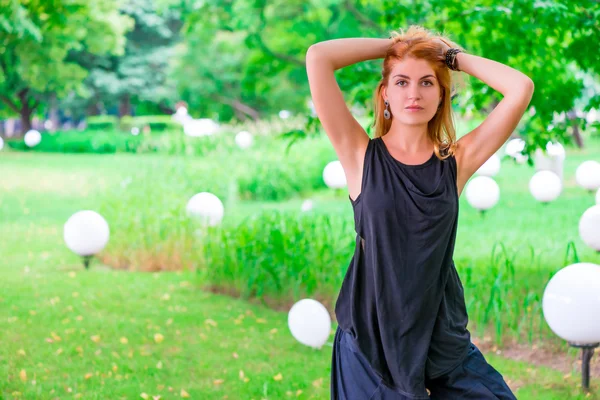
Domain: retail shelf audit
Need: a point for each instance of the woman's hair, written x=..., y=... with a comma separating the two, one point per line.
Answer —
x=419, y=43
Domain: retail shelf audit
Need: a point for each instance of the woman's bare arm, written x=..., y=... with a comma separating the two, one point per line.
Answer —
x=481, y=143
x=348, y=138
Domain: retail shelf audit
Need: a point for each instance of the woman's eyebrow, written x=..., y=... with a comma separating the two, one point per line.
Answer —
x=407, y=77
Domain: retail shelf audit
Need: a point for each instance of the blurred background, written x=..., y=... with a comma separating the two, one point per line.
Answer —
x=213, y=202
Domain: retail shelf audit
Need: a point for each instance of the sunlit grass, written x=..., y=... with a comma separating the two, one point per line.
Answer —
x=107, y=333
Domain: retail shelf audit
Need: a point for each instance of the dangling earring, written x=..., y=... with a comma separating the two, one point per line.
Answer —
x=386, y=112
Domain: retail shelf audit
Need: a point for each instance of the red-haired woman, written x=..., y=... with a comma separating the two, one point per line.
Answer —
x=401, y=311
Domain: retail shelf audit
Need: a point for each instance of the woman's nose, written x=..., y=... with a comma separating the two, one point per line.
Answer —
x=414, y=93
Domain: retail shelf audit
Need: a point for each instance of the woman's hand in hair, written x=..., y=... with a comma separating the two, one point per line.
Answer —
x=443, y=44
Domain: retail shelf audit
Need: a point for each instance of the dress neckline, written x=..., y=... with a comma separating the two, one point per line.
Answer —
x=426, y=163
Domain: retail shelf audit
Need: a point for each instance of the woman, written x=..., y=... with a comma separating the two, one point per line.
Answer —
x=402, y=318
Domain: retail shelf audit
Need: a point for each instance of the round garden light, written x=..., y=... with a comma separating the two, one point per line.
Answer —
x=200, y=127
x=32, y=138
x=545, y=186
x=589, y=227
x=334, y=175
x=307, y=205
x=1, y=143
x=551, y=160
x=491, y=167
x=86, y=233
x=482, y=193
x=181, y=116
x=207, y=207
x=243, y=139
x=587, y=175
x=514, y=147
x=310, y=323
x=571, y=307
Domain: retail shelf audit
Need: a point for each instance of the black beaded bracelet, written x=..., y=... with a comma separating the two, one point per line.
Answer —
x=451, y=61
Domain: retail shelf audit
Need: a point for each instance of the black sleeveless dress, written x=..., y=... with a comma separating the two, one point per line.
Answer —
x=401, y=301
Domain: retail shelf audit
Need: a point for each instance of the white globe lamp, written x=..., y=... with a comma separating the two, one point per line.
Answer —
x=207, y=207
x=514, y=147
x=589, y=227
x=86, y=233
x=521, y=158
x=545, y=186
x=307, y=205
x=200, y=127
x=309, y=323
x=243, y=139
x=32, y=138
x=181, y=116
x=571, y=307
x=482, y=193
x=1, y=143
x=491, y=167
x=551, y=160
x=587, y=175
x=334, y=175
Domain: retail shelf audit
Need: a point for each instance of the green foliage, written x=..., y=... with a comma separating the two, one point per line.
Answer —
x=36, y=39
x=297, y=255
x=276, y=174
x=140, y=74
x=245, y=60
x=256, y=58
x=99, y=142
x=157, y=123
x=102, y=122
x=266, y=171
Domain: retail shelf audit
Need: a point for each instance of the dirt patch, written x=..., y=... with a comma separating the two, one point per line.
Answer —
x=541, y=356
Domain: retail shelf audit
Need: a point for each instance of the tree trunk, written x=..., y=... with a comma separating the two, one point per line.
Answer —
x=165, y=109
x=26, y=110
x=25, y=120
x=54, y=113
x=125, y=105
x=572, y=116
x=93, y=108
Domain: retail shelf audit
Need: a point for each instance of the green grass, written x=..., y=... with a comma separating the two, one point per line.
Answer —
x=64, y=326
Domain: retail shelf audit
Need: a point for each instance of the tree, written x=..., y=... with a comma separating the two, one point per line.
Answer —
x=140, y=74
x=254, y=50
x=35, y=39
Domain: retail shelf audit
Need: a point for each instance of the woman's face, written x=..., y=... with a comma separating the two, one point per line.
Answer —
x=413, y=82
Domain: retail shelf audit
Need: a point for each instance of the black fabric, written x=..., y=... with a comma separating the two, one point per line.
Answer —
x=401, y=299
x=352, y=378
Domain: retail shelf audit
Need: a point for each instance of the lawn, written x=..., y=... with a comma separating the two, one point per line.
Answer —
x=106, y=333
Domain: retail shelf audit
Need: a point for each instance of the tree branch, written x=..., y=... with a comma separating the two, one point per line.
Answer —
x=23, y=97
x=9, y=103
x=281, y=56
x=35, y=104
x=239, y=106
x=263, y=46
x=361, y=17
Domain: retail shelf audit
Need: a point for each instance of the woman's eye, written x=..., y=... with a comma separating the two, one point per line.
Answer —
x=429, y=83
